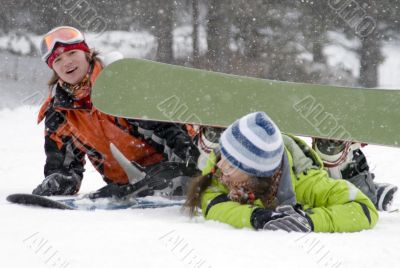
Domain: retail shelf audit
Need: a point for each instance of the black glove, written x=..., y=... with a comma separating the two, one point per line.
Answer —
x=165, y=178
x=186, y=151
x=113, y=190
x=169, y=178
x=285, y=218
x=59, y=184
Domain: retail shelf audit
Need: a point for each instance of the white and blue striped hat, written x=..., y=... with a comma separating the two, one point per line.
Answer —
x=253, y=144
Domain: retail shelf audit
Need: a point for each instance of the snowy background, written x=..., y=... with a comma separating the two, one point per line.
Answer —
x=33, y=237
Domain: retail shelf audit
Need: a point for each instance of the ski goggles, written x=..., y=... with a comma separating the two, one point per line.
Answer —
x=64, y=34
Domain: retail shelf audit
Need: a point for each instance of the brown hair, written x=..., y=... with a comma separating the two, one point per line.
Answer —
x=197, y=186
x=265, y=190
x=91, y=57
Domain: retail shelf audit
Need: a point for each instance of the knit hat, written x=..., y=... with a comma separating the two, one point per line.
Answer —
x=253, y=144
x=61, y=48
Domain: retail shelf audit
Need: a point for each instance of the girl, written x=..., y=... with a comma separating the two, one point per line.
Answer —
x=261, y=179
x=74, y=128
x=342, y=160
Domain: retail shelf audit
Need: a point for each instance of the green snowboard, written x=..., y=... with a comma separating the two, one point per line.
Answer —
x=142, y=89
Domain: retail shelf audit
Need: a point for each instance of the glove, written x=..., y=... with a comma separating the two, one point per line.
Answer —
x=165, y=178
x=169, y=178
x=186, y=151
x=285, y=218
x=59, y=184
x=113, y=190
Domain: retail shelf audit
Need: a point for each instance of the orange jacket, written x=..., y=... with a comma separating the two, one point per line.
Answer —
x=76, y=128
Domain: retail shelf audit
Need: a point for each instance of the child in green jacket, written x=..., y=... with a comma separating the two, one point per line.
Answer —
x=261, y=179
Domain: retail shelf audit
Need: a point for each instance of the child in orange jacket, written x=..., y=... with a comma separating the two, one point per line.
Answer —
x=74, y=128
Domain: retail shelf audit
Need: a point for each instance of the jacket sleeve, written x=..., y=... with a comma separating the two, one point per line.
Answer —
x=334, y=205
x=168, y=138
x=62, y=156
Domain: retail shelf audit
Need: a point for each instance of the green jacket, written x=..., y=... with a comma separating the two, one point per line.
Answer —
x=332, y=205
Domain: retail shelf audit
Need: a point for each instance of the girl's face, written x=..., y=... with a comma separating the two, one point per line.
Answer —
x=231, y=174
x=240, y=184
x=71, y=66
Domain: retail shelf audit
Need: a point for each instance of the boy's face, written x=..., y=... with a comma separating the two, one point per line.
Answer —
x=71, y=66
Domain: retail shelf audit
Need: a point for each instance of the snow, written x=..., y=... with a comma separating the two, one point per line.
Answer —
x=34, y=237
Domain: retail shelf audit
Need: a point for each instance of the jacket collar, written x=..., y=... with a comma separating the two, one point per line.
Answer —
x=65, y=100
x=285, y=194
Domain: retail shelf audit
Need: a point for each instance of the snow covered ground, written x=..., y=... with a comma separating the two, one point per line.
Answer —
x=34, y=237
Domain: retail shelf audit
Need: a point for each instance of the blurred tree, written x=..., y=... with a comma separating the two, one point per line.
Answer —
x=195, y=33
x=370, y=50
x=371, y=22
x=5, y=16
x=269, y=40
x=218, y=35
x=163, y=31
x=314, y=26
x=380, y=23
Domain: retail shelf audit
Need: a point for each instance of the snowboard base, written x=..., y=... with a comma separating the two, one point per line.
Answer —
x=85, y=203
